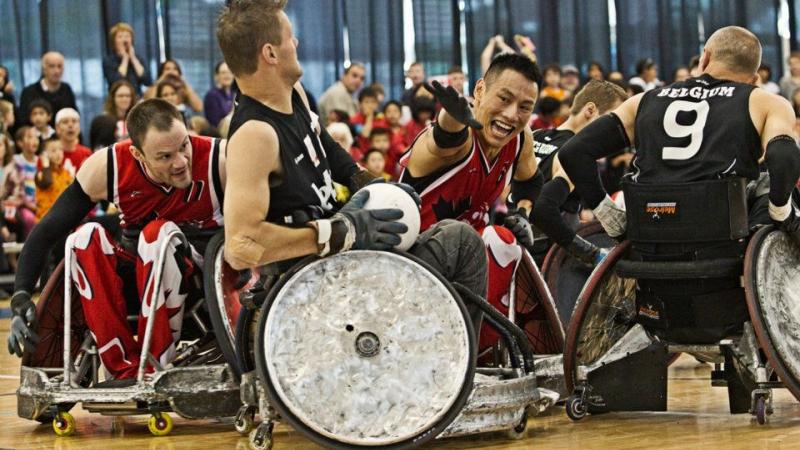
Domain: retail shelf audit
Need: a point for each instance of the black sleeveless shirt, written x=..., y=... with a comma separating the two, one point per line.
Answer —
x=307, y=184
x=698, y=129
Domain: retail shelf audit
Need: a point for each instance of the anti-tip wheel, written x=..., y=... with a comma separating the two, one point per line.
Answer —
x=64, y=424
x=244, y=420
x=159, y=424
x=261, y=437
x=576, y=408
x=518, y=432
x=761, y=410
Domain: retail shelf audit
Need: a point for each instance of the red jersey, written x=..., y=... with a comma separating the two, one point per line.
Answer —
x=141, y=200
x=466, y=190
x=73, y=159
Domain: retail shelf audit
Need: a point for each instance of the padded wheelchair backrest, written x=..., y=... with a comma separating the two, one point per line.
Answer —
x=701, y=211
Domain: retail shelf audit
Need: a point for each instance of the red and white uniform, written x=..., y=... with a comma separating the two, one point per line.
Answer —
x=157, y=210
x=140, y=199
x=466, y=191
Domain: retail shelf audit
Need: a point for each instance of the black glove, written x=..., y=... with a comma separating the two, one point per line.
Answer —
x=374, y=229
x=24, y=312
x=520, y=225
x=586, y=252
x=452, y=102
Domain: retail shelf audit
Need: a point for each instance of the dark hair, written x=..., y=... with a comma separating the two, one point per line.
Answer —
x=171, y=81
x=341, y=116
x=102, y=131
x=598, y=65
x=644, y=64
x=551, y=68
x=40, y=103
x=164, y=64
x=355, y=64
x=218, y=65
x=548, y=106
x=694, y=61
x=367, y=92
x=369, y=152
x=512, y=61
x=635, y=88
x=392, y=102
x=244, y=27
x=152, y=113
x=767, y=68
x=455, y=69
x=379, y=132
x=420, y=104
x=20, y=133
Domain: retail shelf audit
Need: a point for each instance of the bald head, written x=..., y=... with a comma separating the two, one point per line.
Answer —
x=735, y=48
x=52, y=67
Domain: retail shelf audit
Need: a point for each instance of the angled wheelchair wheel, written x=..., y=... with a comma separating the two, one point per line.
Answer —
x=772, y=287
x=536, y=311
x=366, y=349
x=222, y=299
x=565, y=275
x=49, y=324
x=604, y=312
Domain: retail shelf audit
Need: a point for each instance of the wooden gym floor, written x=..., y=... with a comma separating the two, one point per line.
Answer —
x=698, y=419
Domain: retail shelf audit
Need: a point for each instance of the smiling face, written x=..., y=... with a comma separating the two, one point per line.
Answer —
x=504, y=106
x=167, y=155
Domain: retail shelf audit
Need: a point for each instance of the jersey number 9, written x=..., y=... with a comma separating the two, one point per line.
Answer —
x=676, y=130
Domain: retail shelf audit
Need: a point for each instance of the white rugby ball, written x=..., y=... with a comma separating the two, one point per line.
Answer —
x=385, y=195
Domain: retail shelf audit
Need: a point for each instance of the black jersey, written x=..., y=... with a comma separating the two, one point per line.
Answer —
x=698, y=129
x=546, y=144
x=307, y=183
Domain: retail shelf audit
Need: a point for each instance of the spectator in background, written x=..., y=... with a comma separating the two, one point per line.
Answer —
x=551, y=86
x=68, y=129
x=495, y=44
x=340, y=132
x=7, y=116
x=423, y=110
x=367, y=118
x=340, y=95
x=172, y=89
x=549, y=110
x=616, y=77
x=789, y=83
x=646, y=75
x=765, y=79
x=680, y=74
x=379, y=90
x=456, y=78
x=23, y=193
x=122, y=63
x=392, y=112
x=218, y=102
x=6, y=86
x=52, y=178
x=39, y=115
x=199, y=126
x=171, y=69
x=109, y=127
x=49, y=87
x=380, y=139
x=570, y=79
x=596, y=71
x=416, y=75
x=337, y=115
x=373, y=161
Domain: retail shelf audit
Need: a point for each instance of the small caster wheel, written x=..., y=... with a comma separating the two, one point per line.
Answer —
x=159, y=424
x=261, y=437
x=518, y=432
x=760, y=410
x=244, y=419
x=576, y=408
x=64, y=424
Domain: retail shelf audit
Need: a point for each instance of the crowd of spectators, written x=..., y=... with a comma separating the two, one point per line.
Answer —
x=42, y=144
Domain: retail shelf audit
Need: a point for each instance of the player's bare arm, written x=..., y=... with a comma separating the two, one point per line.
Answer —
x=249, y=239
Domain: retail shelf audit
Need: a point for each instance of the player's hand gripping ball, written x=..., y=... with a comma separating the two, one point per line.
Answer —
x=391, y=195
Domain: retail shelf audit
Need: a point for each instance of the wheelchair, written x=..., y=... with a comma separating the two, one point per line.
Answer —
x=691, y=278
x=368, y=349
x=65, y=367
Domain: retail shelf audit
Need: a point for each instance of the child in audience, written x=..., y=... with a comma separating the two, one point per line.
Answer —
x=52, y=179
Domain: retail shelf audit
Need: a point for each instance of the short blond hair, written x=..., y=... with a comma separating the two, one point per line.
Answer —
x=603, y=94
x=244, y=27
x=119, y=27
x=737, y=48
